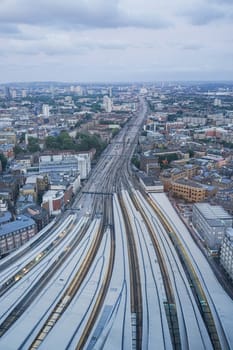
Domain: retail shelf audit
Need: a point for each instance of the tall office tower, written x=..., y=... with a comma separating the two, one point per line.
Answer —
x=26, y=138
x=7, y=93
x=107, y=104
x=45, y=110
x=79, y=90
x=14, y=93
x=52, y=91
x=24, y=93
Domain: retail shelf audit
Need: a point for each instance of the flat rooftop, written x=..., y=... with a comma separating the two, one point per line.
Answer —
x=21, y=222
x=213, y=211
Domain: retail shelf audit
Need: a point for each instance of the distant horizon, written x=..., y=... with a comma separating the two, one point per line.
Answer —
x=117, y=82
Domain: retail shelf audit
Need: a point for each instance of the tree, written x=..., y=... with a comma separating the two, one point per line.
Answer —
x=172, y=117
x=3, y=161
x=82, y=142
x=66, y=141
x=22, y=137
x=62, y=141
x=87, y=141
x=18, y=150
x=115, y=131
x=135, y=161
x=51, y=142
x=96, y=107
x=191, y=153
x=33, y=145
x=165, y=160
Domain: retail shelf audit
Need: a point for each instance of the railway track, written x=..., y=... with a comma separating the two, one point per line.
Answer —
x=136, y=293
x=36, y=241
x=104, y=288
x=67, y=296
x=30, y=295
x=170, y=304
x=36, y=259
x=197, y=289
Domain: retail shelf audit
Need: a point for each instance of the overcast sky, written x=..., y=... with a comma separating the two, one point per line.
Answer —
x=116, y=40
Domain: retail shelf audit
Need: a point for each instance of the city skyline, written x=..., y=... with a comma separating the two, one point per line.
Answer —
x=116, y=40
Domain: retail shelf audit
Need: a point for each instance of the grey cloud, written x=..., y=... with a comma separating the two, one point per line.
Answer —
x=8, y=29
x=192, y=47
x=75, y=14
x=221, y=2
x=79, y=49
x=62, y=47
x=204, y=15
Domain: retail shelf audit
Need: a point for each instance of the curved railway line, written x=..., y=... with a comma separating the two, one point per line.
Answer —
x=34, y=242
x=101, y=205
x=135, y=278
x=140, y=233
x=76, y=283
x=108, y=187
x=32, y=293
x=171, y=301
x=170, y=305
x=136, y=293
x=104, y=287
x=45, y=249
x=168, y=252
x=201, y=297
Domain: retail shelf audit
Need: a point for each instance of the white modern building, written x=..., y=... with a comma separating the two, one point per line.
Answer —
x=24, y=93
x=226, y=256
x=61, y=181
x=84, y=165
x=58, y=163
x=53, y=202
x=66, y=163
x=107, y=104
x=45, y=110
x=211, y=222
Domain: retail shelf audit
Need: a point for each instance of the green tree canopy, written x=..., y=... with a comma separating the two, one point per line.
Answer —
x=33, y=145
x=87, y=141
x=82, y=142
x=3, y=161
x=191, y=153
x=62, y=141
x=18, y=150
x=135, y=161
x=166, y=159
